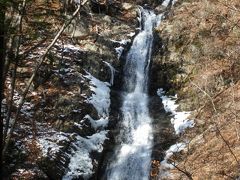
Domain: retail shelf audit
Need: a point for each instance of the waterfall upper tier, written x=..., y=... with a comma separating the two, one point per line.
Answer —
x=132, y=157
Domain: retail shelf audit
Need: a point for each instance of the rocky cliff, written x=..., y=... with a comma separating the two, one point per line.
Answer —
x=68, y=121
x=200, y=63
x=65, y=121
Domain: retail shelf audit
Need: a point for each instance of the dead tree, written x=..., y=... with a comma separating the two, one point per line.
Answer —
x=2, y=60
x=42, y=59
x=14, y=71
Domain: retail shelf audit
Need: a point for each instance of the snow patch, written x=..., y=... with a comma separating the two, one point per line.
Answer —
x=80, y=162
x=27, y=107
x=79, y=126
x=25, y=173
x=100, y=98
x=173, y=149
x=122, y=42
x=179, y=120
x=165, y=164
x=96, y=124
x=119, y=51
x=69, y=47
x=166, y=2
x=49, y=144
x=131, y=34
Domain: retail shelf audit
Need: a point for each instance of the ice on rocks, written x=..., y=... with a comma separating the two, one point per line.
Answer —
x=166, y=2
x=113, y=70
x=122, y=42
x=165, y=165
x=49, y=143
x=173, y=149
x=96, y=124
x=80, y=161
x=69, y=47
x=131, y=34
x=179, y=120
x=119, y=51
x=100, y=98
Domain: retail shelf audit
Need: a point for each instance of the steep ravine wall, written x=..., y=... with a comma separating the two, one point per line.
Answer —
x=200, y=62
x=58, y=103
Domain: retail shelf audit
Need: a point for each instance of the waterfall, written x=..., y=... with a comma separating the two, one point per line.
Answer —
x=132, y=157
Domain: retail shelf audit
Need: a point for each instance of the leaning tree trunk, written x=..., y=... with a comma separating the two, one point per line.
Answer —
x=25, y=92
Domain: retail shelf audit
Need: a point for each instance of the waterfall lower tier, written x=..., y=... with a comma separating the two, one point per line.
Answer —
x=132, y=156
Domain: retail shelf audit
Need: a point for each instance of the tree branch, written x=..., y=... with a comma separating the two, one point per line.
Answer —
x=217, y=128
x=185, y=172
x=13, y=81
x=210, y=98
x=22, y=100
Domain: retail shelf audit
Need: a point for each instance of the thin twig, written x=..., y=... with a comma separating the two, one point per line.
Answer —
x=230, y=7
x=185, y=172
x=214, y=108
x=229, y=148
x=217, y=128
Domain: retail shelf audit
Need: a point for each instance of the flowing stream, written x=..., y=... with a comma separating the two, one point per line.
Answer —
x=132, y=157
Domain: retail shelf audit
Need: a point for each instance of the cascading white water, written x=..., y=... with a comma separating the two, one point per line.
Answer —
x=132, y=158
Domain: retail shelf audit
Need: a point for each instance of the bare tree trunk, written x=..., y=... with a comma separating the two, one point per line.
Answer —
x=22, y=100
x=13, y=81
x=2, y=60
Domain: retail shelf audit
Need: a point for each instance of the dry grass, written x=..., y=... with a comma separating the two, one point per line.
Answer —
x=205, y=36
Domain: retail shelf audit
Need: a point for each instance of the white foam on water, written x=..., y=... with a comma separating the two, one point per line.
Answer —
x=132, y=158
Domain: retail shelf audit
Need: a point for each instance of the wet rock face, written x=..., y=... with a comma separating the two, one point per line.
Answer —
x=105, y=7
x=164, y=135
x=165, y=73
